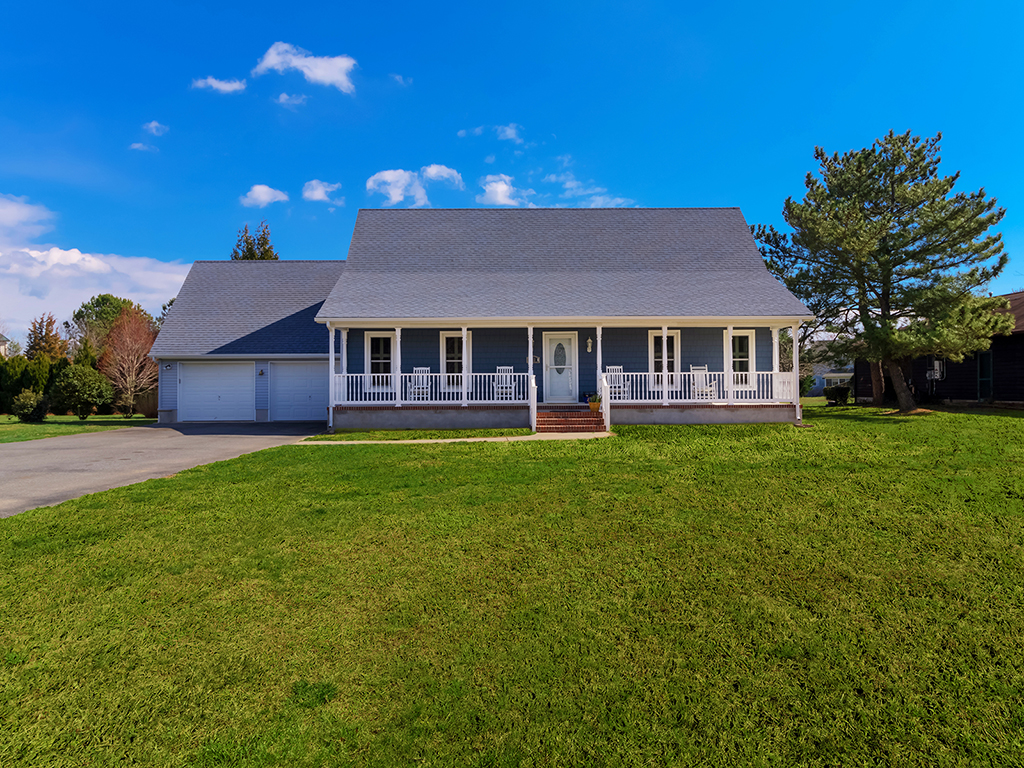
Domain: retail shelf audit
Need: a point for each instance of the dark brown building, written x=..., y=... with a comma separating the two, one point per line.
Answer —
x=995, y=375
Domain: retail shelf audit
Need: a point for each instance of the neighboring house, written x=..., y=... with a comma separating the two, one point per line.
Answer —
x=828, y=374
x=4, y=341
x=995, y=375
x=480, y=317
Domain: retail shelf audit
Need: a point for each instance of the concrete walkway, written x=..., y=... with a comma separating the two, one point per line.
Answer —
x=512, y=439
x=38, y=473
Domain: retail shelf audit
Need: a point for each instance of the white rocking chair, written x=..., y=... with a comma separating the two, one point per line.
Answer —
x=504, y=383
x=419, y=388
x=703, y=386
x=616, y=382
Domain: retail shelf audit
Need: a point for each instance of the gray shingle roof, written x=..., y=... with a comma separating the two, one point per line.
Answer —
x=556, y=262
x=249, y=308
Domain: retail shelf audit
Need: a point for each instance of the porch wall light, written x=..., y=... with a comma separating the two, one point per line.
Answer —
x=590, y=344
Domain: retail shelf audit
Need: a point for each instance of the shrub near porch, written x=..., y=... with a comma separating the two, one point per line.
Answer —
x=755, y=595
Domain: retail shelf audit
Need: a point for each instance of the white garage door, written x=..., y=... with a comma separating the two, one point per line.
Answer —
x=298, y=391
x=216, y=392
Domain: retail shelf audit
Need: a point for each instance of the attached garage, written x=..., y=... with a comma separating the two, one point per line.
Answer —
x=241, y=343
x=298, y=391
x=217, y=391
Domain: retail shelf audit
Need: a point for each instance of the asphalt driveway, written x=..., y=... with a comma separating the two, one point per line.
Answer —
x=39, y=473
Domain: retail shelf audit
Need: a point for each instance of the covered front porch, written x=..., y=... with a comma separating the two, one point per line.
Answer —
x=502, y=374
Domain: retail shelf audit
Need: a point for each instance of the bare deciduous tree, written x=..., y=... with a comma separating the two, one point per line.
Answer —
x=126, y=361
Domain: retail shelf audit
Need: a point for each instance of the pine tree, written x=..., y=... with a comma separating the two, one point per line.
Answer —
x=894, y=259
x=44, y=340
x=258, y=248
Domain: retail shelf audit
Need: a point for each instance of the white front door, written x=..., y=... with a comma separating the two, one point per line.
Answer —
x=560, y=365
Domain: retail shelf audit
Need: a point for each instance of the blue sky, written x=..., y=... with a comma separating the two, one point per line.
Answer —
x=121, y=161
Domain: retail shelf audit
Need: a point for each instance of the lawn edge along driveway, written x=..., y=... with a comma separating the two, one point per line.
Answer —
x=39, y=473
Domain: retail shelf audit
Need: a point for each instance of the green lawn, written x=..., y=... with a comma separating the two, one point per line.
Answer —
x=844, y=594
x=13, y=431
x=417, y=434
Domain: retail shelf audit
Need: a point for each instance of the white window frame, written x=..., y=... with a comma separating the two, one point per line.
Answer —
x=672, y=374
x=467, y=352
x=370, y=385
x=751, y=372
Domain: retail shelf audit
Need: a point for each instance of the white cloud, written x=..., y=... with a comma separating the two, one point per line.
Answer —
x=475, y=131
x=398, y=185
x=155, y=128
x=324, y=70
x=605, y=201
x=489, y=159
x=565, y=160
x=509, y=132
x=320, y=191
x=596, y=195
x=462, y=133
x=437, y=172
x=143, y=147
x=573, y=187
x=35, y=279
x=221, y=86
x=290, y=101
x=260, y=196
x=21, y=221
x=498, y=190
x=403, y=81
x=56, y=280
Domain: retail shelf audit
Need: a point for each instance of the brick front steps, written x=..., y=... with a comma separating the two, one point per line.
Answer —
x=569, y=421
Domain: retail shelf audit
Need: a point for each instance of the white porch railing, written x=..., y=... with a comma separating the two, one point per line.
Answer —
x=710, y=387
x=430, y=388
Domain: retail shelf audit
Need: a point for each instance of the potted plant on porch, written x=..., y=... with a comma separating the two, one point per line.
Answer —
x=595, y=401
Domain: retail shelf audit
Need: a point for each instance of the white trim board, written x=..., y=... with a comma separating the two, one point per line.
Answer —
x=651, y=321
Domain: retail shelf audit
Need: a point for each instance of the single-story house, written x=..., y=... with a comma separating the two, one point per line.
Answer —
x=484, y=317
x=4, y=341
x=995, y=375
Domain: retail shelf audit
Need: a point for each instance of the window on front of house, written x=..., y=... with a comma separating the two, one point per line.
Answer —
x=451, y=356
x=656, y=355
x=379, y=352
x=743, y=358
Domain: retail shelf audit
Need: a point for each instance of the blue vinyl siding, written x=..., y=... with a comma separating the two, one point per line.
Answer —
x=763, y=353
x=356, y=345
x=168, y=386
x=262, y=385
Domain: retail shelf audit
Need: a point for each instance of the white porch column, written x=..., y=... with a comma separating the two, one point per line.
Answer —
x=795, y=330
x=396, y=367
x=344, y=364
x=529, y=351
x=775, y=350
x=465, y=336
x=600, y=361
x=529, y=368
x=664, y=365
x=730, y=378
x=330, y=375
x=344, y=350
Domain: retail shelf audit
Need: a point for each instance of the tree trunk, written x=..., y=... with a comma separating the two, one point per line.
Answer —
x=899, y=383
x=877, y=383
